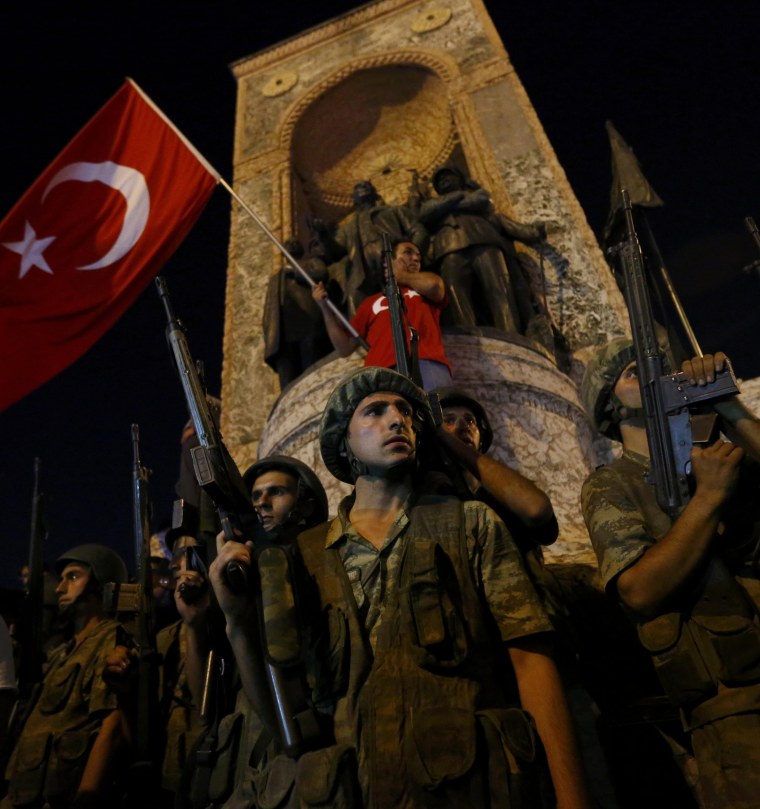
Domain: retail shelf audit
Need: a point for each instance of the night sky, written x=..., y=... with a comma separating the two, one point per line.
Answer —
x=678, y=80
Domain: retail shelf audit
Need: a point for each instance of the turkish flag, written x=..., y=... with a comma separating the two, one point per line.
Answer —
x=89, y=235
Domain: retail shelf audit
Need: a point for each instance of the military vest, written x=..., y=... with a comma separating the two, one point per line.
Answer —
x=427, y=713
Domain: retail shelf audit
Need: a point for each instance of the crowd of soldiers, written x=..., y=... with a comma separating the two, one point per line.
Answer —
x=416, y=650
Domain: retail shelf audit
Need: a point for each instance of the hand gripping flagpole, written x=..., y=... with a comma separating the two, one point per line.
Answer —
x=281, y=247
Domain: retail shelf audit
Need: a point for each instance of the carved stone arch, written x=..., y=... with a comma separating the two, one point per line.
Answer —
x=378, y=118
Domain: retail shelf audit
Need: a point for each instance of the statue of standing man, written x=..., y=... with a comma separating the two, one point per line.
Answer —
x=356, y=245
x=473, y=251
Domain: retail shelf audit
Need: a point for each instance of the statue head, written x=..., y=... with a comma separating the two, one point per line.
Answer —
x=364, y=194
x=447, y=178
x=294, y=247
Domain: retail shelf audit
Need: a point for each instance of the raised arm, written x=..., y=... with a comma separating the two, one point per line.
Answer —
x=242, y=628
x=428, y=284
x=343, y=342
x=514, y=491
x=662, y=572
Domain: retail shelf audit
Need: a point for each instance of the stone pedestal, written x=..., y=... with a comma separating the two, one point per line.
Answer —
x=539, y=425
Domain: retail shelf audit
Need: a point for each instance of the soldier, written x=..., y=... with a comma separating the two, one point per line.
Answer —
x=288, y=498
x=67, y=748
x=690, y=584
x=429, y=614
x=525, y=509
x=178, y=708
x=359, y=241
x=424, y=296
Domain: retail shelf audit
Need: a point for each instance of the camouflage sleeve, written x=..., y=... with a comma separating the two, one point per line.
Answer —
x=500, y=575
x=615, y=524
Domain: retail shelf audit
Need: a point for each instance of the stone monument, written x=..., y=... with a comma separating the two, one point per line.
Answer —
x=387, y=93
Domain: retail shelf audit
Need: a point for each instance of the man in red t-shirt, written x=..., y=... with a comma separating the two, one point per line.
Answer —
x=424, y=295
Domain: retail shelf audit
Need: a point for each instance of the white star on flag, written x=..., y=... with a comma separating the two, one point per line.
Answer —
x=30, y=248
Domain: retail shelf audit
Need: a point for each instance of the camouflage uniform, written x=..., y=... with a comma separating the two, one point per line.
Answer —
x=413, y=671
x=707, y=654
x=52, y=751
x=183, y=722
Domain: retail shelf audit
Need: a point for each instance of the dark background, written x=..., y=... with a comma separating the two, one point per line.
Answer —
x=678, y=80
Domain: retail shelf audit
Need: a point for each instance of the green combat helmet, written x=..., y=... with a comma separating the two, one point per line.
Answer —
x=340, y=407
x=456, y=397
x=106, y=564
x=309, y=485
x=602, y=374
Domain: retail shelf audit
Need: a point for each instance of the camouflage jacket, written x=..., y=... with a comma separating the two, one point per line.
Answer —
x=413, y=627
x=706, y=651
x=56, y=739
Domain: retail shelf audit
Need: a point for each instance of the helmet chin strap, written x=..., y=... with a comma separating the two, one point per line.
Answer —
x=623, y=413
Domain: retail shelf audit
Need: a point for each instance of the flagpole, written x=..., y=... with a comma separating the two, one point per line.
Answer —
x=281, y=247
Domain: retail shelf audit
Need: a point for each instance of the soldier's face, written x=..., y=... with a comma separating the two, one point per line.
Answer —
x=627, y=387
x=381, y=432
x=274, y=495
x=461, y=422
x=407, y=258
x=72, y=584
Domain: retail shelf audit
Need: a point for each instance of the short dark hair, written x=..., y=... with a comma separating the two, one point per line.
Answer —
x=402, y=240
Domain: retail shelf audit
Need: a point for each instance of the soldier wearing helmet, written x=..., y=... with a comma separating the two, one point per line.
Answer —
x=288, y=498
x=65, y=751
x=690, y=583
x=423, y=600
x=524, y=507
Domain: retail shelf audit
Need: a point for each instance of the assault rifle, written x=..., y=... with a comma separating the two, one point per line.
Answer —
x=30, y=664
x=218, y=475
x=666, y=397
x=144, y=773
x=405, y=338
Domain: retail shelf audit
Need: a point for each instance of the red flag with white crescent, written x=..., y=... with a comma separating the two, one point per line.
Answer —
x=89, y=235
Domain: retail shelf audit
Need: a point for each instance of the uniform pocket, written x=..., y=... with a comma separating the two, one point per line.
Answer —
x=735, y=641
x=222, y=780
x=441, y=745
x=518, y=773
x=70, y=753
x=436, y=607
x=274, y=783
x=327, y=779
x=684, y=673
x=28, y=778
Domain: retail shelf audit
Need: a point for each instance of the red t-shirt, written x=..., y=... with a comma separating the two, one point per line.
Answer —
x=372, y=321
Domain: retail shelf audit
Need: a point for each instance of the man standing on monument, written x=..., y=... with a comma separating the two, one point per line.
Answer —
x=424, y=295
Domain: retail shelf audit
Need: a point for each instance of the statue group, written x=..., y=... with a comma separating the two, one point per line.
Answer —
x=461, y=237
